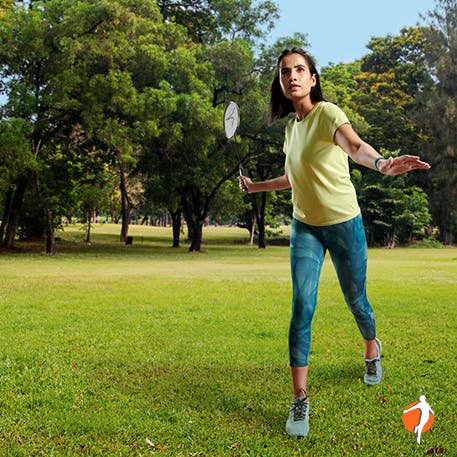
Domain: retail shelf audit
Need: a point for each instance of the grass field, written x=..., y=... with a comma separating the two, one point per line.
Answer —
x=106, y=346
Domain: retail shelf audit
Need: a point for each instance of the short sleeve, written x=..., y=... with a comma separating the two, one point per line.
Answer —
x=331, y=119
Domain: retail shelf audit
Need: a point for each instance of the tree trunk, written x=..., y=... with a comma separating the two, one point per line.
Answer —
x=176, y=224
x=194, y=226
x=446, y=236
x=89, y=226
x=126, y=206
x=196, y=239
x=260, y=215
x=261, y=241
x=195, y=212
x=6, y=212
x=14, y=213
x=254, y=222
x=50, y=234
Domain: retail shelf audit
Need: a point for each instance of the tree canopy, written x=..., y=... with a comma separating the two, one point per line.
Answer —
x=116, y=106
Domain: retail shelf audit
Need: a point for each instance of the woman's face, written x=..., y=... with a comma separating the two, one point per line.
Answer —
x=295, y=77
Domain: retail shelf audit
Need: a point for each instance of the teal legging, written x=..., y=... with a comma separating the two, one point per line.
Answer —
x=347, y=246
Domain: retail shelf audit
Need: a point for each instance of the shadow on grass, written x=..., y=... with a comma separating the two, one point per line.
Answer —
x=211, y=397
x=339, y=373
x=245, y=398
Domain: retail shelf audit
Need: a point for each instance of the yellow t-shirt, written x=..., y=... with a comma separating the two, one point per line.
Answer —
x=318, y=169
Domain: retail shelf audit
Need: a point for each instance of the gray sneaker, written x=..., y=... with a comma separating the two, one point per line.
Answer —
x=373, y=368
x=298, y=421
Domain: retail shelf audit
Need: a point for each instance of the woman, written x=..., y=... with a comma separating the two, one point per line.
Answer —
x=326, y=215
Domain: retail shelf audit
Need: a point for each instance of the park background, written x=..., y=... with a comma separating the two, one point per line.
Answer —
x=114, y=109
x=114, y=164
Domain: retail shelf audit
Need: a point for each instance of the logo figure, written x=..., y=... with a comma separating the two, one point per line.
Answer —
x=418, y=417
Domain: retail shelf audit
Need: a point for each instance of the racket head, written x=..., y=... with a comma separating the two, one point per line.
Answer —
x=231, y=119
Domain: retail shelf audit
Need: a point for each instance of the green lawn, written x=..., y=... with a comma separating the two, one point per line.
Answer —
x=105, y=346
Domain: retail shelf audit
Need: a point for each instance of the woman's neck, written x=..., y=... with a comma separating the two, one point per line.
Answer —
x=303, y=108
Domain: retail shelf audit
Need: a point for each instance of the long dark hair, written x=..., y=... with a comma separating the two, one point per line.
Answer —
x=280, y=106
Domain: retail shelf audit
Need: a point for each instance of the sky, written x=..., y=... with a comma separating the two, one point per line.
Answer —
x=339, y=30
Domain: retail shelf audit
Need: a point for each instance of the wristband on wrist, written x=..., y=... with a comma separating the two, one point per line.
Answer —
x=376, y=162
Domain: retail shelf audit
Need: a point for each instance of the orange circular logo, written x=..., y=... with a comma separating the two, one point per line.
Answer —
x=412, y=418
x=418, y=417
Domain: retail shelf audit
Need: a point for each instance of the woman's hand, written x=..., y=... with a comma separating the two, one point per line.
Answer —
x=402, y=164
x=279, y=183
x=245, y=182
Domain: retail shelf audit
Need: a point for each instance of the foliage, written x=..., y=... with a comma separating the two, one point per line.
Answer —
x=391, y=77
x=15, y=156
x=340, y=86
x=136, y=90
x=381, y=96
x=4, y=6
x=439, y=116
x=195, y=163
x=209, y=22
x=265, y=159
x=393, y=215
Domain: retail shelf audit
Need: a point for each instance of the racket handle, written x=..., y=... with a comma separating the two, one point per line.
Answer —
x=241, y=169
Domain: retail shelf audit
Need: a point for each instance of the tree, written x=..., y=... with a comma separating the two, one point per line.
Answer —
x=125, y=62
x=91, y=197
x=239, y=74
x=38, y=70
x=36, y=80
x=392, y=77
x=17, y=165
x=91, y=66
x=212, y=21
x=340, y=85
x=393, y=212
x=195, y=160
x=181, y=162
x=200, y=161
x=381, y=96
x=265, y=159
x=439, y=116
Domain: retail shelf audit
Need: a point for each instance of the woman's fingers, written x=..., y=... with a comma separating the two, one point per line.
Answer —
x=403, y=164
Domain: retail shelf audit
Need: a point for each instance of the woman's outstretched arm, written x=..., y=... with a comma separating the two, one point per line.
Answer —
x=364, y=154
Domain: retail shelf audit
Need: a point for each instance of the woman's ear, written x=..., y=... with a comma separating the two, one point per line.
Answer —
x=314, y=80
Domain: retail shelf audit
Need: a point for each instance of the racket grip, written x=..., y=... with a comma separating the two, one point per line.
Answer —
x=241, y=169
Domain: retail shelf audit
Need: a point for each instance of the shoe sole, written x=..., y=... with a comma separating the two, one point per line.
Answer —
x=298, y=436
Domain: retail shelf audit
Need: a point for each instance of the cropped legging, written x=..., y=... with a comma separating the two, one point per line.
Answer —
x=347, y=246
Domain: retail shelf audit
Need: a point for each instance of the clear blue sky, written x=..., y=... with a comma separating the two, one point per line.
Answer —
x=339, y=30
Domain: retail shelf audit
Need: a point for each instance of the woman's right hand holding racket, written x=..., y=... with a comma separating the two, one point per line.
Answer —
x=244, y=182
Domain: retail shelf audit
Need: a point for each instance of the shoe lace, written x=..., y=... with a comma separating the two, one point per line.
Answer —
x=370, y=367
x=299, y=408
